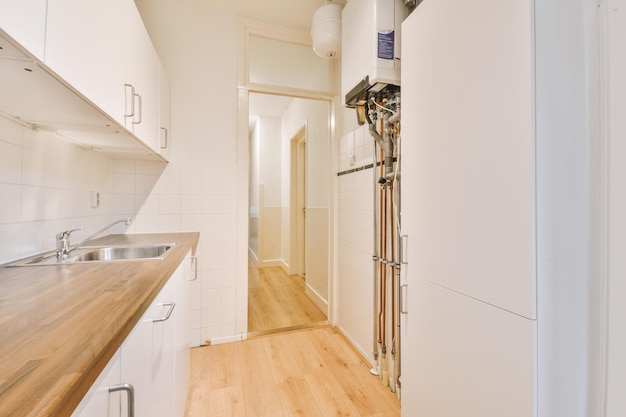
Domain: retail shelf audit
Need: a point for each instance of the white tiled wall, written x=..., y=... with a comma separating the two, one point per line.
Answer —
x=355, y=235
x=45, y=187
x=188, y=197
x=355, y=149
x=46, y=184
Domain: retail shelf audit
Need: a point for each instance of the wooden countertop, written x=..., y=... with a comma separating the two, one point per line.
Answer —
x=61, y=324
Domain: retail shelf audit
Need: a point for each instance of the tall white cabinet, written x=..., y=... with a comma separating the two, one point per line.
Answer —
x=494, y=197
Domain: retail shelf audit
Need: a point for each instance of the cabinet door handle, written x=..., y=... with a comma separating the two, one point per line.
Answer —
x=140, y=111
x=168, y=314
x=130, y=390
x=165, y=136
x=403, y=294
x=194, y=267
x=132, y=100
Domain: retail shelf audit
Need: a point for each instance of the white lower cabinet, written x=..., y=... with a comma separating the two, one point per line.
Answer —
x=99, y=402
x=154, y=360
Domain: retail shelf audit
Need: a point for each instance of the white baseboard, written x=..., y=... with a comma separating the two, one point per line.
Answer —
x=316, y=298
x=366, y=355
x=269, y=263
x=229, y=339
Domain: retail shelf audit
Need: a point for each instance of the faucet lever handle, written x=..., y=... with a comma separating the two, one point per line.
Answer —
x=66, y=234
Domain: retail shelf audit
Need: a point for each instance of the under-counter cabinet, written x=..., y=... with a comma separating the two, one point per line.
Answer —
x=25, y=20
x=152, y=360
x=103, y=399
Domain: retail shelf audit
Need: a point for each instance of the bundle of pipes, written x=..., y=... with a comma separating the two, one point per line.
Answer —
x=384, y=126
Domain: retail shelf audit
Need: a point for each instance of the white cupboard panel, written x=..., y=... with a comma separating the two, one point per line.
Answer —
x=25, y=21
x=144, y=76
x=468, y=149
x=98, y=402
x=464, y=358
x=91, y=50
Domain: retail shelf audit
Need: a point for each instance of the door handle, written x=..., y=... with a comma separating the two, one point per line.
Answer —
x=168, y=314
x=403, y=295
x=130, y=390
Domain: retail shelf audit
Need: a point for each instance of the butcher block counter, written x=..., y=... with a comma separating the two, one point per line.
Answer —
x=61, y=324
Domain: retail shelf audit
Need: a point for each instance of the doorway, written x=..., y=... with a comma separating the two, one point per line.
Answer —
x=288, y=271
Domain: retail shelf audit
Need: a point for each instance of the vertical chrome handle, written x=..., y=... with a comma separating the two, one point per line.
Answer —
x=140, y=111
x=404, y=239
x=168, y=314
x=130, y=390
x=166, y=136
x=194, y=265
x=132, y=100
x=403, y=294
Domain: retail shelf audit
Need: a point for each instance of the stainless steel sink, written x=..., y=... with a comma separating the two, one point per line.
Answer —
x=102, y=254
x=122, y=253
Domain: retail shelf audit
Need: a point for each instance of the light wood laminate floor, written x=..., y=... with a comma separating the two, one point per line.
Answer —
x=306, y=373
x=278, y=301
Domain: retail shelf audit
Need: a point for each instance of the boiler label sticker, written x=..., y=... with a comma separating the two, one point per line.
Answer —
x=385, y=45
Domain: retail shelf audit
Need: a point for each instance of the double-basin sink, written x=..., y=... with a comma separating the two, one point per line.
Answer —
x=108, y=253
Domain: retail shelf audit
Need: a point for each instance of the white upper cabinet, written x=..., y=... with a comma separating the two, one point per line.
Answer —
x=144, y=77
x=91, y=52
x=108, y=57
x=25, y=21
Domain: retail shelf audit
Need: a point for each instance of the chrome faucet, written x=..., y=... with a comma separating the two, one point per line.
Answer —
x=64, y=248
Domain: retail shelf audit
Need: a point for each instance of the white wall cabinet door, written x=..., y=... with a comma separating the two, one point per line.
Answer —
x=144, y=76
x=25, y=21
x=88, y=45
x=99, y=402
x=107, y=55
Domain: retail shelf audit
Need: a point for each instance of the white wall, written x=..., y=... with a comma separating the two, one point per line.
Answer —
x=270, y=189
x=198, y=48
x=354, y=228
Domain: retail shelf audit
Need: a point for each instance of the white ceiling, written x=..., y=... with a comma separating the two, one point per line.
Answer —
x=295, y=13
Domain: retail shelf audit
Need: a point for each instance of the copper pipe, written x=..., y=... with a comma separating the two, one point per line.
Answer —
x=393, y=287
x=381, y=229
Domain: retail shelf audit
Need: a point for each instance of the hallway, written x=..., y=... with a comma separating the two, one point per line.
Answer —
x=278, y=301
x=308, y=373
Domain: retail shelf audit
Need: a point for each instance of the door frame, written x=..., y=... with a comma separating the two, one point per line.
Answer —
x=297, y=203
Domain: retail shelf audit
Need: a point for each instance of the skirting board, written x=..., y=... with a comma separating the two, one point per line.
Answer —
x=228, y=339
x=317, y=299
x=367, y=357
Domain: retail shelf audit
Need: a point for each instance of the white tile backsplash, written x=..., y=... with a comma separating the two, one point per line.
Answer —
x=46, y=184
